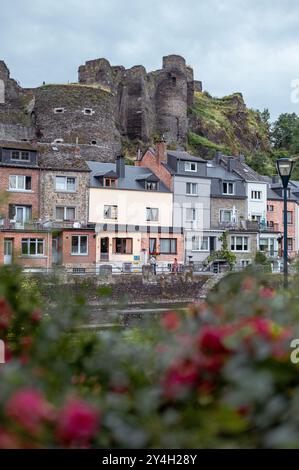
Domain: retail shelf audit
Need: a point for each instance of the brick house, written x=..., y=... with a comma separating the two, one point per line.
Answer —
x=27, y=248
x=275, y=214
x=77, y=250
x=22, y=239
x=19, y=182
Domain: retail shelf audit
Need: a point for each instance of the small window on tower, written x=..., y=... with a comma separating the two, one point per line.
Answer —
x=59, y=110
x=88, y=111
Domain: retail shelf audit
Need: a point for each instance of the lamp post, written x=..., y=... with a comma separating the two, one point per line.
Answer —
x=284, y=168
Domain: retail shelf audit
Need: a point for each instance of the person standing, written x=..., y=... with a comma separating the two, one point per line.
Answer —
x=175, y=266
x=153, y=263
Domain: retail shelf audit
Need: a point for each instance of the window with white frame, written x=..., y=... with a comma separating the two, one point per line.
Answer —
x=227, y=187
x=19, y=183
x=152, y=214
x=191, y=189
x=256, y=195
x=270, y=208
x=226, y=215
x=65, y=183
x=65, y=213
x=190, y=166
x=267, y=245
x=190, y=214
x=239, y=243
x=32, y=246
x=79, y=245
x=256, y=217
x=151, y=185
x=20, y=155
x=110, y=212
x=200, y=243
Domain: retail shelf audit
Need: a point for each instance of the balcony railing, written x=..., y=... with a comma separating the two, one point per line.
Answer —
x=243, y=224
x=47, y=225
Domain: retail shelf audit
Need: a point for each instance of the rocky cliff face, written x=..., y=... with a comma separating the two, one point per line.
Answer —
x=112, y=107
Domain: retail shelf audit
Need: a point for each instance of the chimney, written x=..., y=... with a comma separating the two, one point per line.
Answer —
x=275, y=179
x=231, y=163
x=161, y=151
x=120, y=166
x=242, y=158
x=217, y=157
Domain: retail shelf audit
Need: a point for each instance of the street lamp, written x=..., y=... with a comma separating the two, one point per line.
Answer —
x=284, y=167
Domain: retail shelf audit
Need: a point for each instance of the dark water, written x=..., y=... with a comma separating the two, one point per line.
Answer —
x=124, y=315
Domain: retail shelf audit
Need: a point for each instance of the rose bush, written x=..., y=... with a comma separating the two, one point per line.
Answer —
x=218, y=375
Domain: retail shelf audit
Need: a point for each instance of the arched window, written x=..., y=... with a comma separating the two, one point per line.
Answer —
x=2, y=92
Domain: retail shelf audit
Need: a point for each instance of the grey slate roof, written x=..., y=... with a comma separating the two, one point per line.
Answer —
x=218, y=171
x=133, y=176
x=243, y=170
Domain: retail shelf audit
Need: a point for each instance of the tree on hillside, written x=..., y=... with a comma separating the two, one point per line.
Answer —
x=285, y=131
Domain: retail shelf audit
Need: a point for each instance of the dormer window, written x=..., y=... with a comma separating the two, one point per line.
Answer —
x=227, y=188
x=151, y=185
x=18, y=155
x=190, y=166
x=110, y=182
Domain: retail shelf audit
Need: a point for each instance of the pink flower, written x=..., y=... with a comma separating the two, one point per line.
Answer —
x=28, y=408
x=78, y=423
x=170, y=321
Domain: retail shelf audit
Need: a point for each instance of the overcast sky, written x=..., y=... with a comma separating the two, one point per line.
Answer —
x=233, y=45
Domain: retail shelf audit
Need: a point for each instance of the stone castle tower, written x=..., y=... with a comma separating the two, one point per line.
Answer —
x=147, y=103
x=107, y=103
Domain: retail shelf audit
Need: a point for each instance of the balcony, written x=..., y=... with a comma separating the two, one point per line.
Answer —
x=46, y=225
x=246, y=225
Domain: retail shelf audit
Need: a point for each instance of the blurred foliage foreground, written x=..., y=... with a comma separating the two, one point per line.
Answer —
x=218, y=376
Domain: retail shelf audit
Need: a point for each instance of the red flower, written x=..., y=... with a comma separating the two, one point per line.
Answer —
x=180, y=376
x=28, y=408
x=5, y=314
x=26, y=342
x=78, y=423
x=170, y=321
x=36, y=316
x=211, y=339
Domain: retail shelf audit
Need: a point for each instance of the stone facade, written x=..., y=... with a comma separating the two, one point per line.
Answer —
x=108, y=103
x=227, y=203
x=50, y=198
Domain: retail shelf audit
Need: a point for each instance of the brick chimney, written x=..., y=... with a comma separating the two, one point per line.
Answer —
x=161, y=151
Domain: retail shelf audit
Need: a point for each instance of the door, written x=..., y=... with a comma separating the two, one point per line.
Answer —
x=212, y=244
x=7, y=251
x=23, y=214
x=104, y=256
x=56, y=253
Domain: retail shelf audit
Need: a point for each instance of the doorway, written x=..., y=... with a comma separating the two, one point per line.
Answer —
x=104, y=255
x=8, y=250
